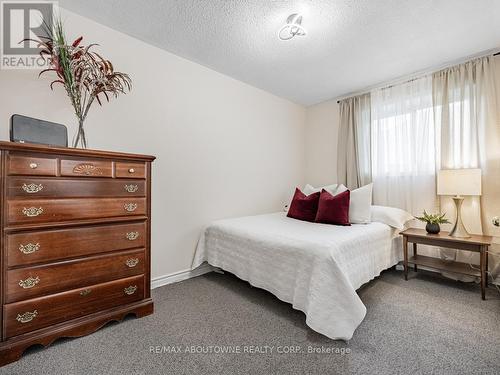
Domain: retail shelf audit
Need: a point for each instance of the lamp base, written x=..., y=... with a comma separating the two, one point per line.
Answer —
x=458, y=229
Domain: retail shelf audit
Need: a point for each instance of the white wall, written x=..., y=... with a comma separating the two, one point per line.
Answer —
x=321, y=143
x=224, y=148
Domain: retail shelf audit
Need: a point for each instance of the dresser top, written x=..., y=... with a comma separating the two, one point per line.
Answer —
x=31, y=147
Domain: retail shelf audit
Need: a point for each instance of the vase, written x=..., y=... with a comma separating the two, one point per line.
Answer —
x=80, y=140
x=432, y=228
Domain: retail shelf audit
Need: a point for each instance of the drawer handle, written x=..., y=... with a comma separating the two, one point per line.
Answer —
x=130, y=290
x=87, y=170
x=33, y=165
x=131, y=236
x=131, y=170
x=32, y=188
x=130, y=207
x=132, y=262
x=131, y=188
x=27, y=317
x=29, y=248
x=85, y=292
x=30, y=282
x=32, y=211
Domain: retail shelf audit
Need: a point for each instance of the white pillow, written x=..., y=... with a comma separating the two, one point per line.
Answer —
x=333, y=189
x=360, y=205
x=392, y=216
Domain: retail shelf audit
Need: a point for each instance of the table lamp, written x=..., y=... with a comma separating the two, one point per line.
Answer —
x=459, y=182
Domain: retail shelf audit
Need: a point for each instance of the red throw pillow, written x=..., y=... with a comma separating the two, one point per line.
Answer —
x=333, y=209
x=304, y=207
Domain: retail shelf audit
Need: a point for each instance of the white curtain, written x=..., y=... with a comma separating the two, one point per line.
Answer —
x=441, y=121
x=465, y=116
x=403, y=146
x=353, y=162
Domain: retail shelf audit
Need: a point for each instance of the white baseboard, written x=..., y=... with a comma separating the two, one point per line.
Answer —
x=180, y=276
x=206, y=268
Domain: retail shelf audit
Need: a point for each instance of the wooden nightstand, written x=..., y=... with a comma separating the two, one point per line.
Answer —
x=475, y=243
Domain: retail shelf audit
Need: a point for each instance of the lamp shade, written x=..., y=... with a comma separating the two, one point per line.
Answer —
x=459, y=182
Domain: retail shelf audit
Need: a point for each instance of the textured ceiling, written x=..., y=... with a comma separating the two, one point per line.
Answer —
x=351, y=44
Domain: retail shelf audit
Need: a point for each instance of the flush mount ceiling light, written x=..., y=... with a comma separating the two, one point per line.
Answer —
x=292, y=28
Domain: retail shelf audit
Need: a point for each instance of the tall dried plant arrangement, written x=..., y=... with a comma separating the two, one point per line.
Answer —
x=85, y=75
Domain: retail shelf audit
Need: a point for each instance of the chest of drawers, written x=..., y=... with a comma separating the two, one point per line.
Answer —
x=74, y=242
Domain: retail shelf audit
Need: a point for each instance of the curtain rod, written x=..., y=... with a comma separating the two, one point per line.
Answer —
x=412, y=79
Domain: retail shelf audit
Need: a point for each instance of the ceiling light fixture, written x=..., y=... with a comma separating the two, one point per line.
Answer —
x=292, y=28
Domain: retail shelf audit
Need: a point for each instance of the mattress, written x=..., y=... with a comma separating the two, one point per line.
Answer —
x=315, y=267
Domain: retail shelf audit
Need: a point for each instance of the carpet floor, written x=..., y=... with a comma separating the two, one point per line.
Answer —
x=422, y=326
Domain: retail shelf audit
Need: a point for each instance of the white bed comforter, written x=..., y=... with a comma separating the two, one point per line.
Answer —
x=315, y=267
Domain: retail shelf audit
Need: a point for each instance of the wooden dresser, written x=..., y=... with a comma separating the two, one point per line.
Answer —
x=74, y=242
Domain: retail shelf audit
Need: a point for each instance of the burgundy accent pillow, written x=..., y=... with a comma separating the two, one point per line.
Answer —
x=304, y=207
x=333, y=209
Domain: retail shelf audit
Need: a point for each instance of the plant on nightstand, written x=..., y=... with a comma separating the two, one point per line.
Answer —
x=496, y=221
x=433, y=221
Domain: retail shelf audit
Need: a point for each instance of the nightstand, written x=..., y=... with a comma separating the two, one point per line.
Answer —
x=475, y=243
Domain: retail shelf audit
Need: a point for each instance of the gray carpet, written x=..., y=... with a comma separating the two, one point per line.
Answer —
x=423, y=326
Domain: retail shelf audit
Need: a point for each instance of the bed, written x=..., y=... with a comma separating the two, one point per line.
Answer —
x=315, y=267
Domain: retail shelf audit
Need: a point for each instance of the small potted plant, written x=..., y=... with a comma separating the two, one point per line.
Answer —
x=496, y=221
x=433, y=221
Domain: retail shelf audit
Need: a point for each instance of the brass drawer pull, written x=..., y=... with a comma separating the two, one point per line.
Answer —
x=27, y=317
x=130, y=290
x=130, y=207
x=132, y=262
x=131, y=188
x=85, y=292
x=131, y=236
x=33, y=165
x=30, y=282
x=32, y=188
x=29, y=248
x=32, y=211
x=131, y=170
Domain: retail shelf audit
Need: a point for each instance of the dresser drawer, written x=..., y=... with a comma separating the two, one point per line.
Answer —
x=130, y=170
x=25, y=211
x=50, y=245
x=66, y=188
x=90, y=168
x=26, y=316
x=29, y=282
x=35, y=166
